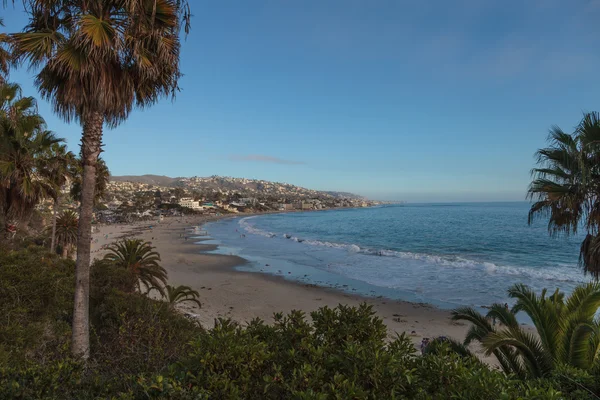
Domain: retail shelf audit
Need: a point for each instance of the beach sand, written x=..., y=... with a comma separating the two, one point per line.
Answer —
x=242, y=296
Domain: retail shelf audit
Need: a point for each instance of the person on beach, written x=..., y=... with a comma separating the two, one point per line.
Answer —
x=424, y=344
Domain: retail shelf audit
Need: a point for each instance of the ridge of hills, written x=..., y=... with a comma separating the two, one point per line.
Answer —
x=221, y=183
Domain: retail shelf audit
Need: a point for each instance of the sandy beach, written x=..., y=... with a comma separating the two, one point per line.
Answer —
x=242, y=296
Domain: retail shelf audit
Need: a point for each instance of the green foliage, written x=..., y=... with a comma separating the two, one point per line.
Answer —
x=142, y=348
x=66, y=229
x=131, y=334
x=140, y=259
x=24, y=160
x=5, y=55
x=342, y=354
x=181, y=294
x=568, y=334
x=102, y=179
x=36, y=291
x=148, y=335
x=565, y=186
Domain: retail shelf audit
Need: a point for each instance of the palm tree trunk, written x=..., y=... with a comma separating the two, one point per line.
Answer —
x=65, y=250
x=90, y=149
x=53, y=242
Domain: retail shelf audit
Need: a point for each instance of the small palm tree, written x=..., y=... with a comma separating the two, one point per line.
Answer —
x=66, y=231
x=567, y=331
x=181, y=294
x=566, y=187
x=141, y=260
x=58, y=172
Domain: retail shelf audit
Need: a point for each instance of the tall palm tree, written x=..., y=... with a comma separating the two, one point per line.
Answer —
x=66, y=231
x=567, y=332
x=59, y=173
x=141, y=260
x=566, y=187
x=24, y=144
x=180, y=294
x=98, y=59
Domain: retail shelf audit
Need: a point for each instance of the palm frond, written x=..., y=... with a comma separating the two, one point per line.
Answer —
x=141, y=260
x=181, y=293
x=539, y=363
x=537, y=308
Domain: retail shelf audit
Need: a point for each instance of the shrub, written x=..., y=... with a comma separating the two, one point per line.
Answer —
x=134, y=334
x=341, y=355
x=36, y=294
x=130, y=333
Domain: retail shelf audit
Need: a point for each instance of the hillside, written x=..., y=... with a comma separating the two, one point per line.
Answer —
x=227, y=184
x=158, y=180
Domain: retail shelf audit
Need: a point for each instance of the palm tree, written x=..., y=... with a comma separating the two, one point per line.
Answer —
x=4, y=55
x=59, y=173
x=102, y=178
x=98, y=59
x=66, y=231
x=181, y=294
x=24, y=144
x=482, y=326
x=567, y=331
x=566, y=187
x=141, y=260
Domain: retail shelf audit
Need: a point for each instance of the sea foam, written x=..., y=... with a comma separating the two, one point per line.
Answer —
x=562, y=273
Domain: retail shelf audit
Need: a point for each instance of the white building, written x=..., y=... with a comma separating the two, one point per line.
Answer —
x=190, y=203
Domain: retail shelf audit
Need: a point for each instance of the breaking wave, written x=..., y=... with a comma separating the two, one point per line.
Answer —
x=559, y=273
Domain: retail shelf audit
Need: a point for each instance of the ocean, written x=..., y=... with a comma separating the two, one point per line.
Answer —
x=447, y=255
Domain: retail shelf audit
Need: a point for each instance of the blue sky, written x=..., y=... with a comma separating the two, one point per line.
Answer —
x=403, y=100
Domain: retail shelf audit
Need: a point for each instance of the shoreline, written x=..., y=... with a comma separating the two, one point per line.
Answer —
x=226, y=292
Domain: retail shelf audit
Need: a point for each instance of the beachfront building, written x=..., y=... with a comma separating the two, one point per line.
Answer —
x=306, y=206
x=190, y=203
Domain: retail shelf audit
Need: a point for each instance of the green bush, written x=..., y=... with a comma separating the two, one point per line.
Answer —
x=130, y=334
x=36, y=295
x=343, y=354
x=134, y=334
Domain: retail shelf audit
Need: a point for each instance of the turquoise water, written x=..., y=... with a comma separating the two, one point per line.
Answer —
x=444, y=254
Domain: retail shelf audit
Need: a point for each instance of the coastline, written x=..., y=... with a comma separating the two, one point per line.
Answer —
x=226, y=292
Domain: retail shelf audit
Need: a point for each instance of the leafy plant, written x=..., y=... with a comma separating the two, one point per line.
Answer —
x=141, y=260
x=58, y=172
x=66, y=230
x=24, y=142
x=180, y=294
x=5, y=55
x=567, y=332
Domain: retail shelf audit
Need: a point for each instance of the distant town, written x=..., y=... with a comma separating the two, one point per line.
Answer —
x=144, y=197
